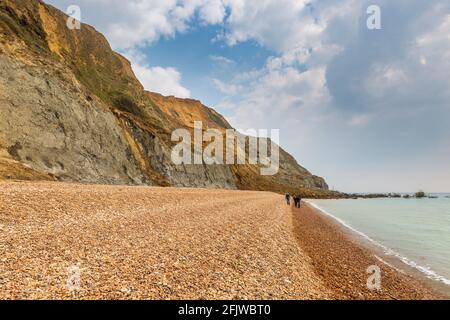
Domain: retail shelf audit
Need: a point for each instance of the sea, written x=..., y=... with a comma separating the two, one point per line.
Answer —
x=415, y=231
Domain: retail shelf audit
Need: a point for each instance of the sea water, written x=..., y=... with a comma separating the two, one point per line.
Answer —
x=416, y=231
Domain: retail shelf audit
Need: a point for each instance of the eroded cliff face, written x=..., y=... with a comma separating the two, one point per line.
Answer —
x=71, y=109
x=50, y=125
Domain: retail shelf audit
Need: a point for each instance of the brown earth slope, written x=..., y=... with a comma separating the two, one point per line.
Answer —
x=72, y=109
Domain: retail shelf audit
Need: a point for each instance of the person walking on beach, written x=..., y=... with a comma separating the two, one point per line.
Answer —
x=297, y=201
x=288, y=199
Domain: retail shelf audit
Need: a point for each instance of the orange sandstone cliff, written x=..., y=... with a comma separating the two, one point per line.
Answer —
x=71, y=109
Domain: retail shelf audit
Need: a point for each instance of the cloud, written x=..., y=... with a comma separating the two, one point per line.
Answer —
x=384, y=79
x=395, y=69
x=162, y=80
x=264, y=21
x=282, y=25
x=228, y=89
x=276, y=24
x=221, y=60
x=166, y=81
x=132, y=23
x=212, y=12
x=433, y=50
x=275, y=95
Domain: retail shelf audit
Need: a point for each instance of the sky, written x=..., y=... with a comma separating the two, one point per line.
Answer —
x=367, y=109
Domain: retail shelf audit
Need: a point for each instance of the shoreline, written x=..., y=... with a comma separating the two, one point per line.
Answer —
x=341, y=257
x=390, y=257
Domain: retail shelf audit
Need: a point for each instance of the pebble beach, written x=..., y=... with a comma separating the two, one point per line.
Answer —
x=73, y=241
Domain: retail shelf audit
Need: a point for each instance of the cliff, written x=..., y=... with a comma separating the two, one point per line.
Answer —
x=71, y=109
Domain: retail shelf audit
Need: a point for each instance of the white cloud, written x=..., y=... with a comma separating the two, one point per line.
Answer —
x=132, y=23
x=162, y=80
x=228, y=89
x=274, y=95
x=383, y=78
x=212, y=11
x=282, y=25
x=276, y=24
x=221, y=60
x=438, y=36
x=271, y=23
x=433, y=49
x=166, y=81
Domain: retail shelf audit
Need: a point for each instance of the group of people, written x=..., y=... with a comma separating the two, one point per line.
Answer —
x=297, y=200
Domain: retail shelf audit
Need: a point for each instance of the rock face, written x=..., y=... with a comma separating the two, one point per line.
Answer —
x=71, y=109
x=51, y=126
